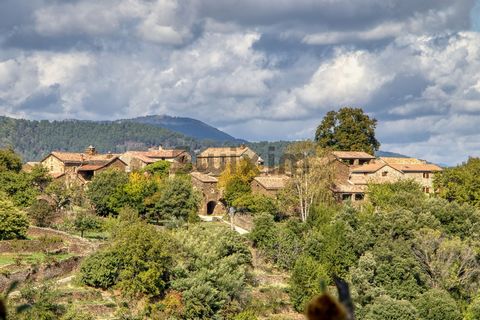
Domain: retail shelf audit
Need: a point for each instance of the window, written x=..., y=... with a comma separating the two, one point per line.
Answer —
x=426, y=175
x=346, y=197
x=384, y=173
x=358, y=196
x=426, y=189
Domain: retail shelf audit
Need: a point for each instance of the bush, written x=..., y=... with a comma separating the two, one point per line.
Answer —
x=263, y=233
x=106, y=191
x=255, y=204
x=13, y=222
x=306, y=281
x=473, y=310
x=437, y=305
x=102, y=269
x=138, y=262
x=41, y=213
x=386, y=308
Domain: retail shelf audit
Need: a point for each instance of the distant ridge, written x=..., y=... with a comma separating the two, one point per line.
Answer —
x=388, y=154
x=190, y=127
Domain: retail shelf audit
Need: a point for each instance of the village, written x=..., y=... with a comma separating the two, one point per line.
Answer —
x=352, y=170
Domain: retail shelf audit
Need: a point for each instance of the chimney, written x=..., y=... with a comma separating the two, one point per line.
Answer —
x=90, y=150
x=109, y=155
x=160, y=147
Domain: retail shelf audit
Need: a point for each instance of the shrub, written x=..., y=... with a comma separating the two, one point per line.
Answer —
x=13, y=222
x=305, y=281
x=437, y=305
x=41, y=213
x=101, y=270
x=386, y=308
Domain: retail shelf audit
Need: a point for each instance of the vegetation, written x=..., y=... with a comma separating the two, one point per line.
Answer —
x=348, y=129
x=13, y=221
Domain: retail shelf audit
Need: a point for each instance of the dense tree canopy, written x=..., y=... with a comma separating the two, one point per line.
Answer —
x=348, y=129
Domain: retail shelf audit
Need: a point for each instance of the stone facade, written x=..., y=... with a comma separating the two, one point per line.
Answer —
x=214, y=160
x=211, y=197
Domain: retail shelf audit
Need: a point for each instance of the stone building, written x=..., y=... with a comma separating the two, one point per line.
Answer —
x=269, y=185
x=353, y=158
x=207, y=186
x=389, y=170
x=137, y=160
x=80, y=167
x=214, y=160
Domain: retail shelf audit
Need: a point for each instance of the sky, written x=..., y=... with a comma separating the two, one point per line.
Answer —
x=257, y=69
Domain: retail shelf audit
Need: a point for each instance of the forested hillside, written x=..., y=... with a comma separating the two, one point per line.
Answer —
x=35, y=139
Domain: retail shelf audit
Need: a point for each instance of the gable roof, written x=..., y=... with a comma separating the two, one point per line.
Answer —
x=352, y=155
x=223, y=152
x=417, y=167
x=402, y=161
x=203, y=177
x=369, y=168
x=76, y=157
x=272, y=182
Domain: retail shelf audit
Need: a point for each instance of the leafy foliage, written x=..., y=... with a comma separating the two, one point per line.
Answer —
x=13, y=221
x=348, y=129
x=106, y=191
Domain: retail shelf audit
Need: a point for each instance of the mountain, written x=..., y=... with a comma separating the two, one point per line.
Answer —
x=388, y=154
x=187, y=126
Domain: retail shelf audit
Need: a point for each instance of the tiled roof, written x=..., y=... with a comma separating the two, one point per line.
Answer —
x=352, y=155
x=203, y=177
x=165, y=153
x=225, y=152
x=417, y=167
x=90, y=167
x=272, y=182
x=82, y=157
x=402, y=160
x=56, y=175
x=371, y=167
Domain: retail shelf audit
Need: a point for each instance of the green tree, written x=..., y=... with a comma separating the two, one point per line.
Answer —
x=106, y=191
x=235, y=189
x=41, y=213
x=348, y=129
x=401, y=194
x=306, y=281
x=255, y=204
x=160, y=168
x=177, y=200
x=437, y=305
x=386, y=308
x=264, y=232
x=13, y=221
x=9, y=160
x=460, y=183
x=473, y=309
x=85, y=221
x=138, y=262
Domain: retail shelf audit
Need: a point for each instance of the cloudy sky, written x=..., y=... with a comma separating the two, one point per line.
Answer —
x=258, y=69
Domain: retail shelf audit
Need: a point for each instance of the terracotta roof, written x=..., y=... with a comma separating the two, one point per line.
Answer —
x=165, y=153
x=56, y=175
x=371, y=167
x=225, y=152
x=417, y=167
x=272, y=182
x=352, y=155
x=75, y=157
x=90, y=167
x=203, y=177
x=402, y=160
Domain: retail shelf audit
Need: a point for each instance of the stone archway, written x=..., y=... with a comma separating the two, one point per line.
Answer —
x=211, y=207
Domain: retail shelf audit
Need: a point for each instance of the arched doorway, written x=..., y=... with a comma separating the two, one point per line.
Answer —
x=211, y=207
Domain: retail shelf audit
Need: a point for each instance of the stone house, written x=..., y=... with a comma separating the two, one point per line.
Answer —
x=207, y=186
x=137, y=160
x=389, y=170
x=215, y=160
x=269, y=185
x=80, y=167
